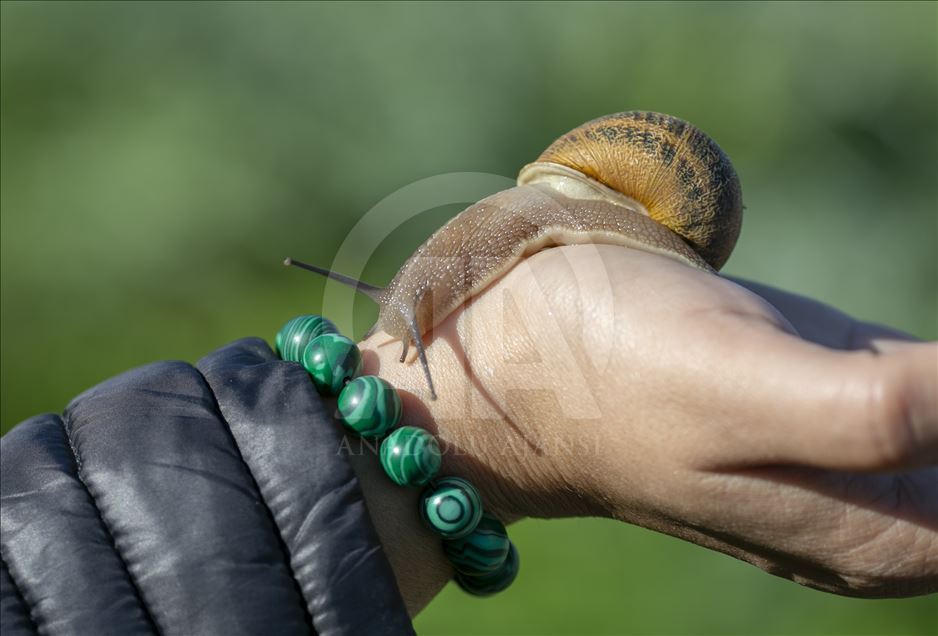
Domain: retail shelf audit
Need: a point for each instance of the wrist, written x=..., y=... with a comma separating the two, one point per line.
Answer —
x=413, y=550
x=517, y=467
x=481, y=558
x=471, y=445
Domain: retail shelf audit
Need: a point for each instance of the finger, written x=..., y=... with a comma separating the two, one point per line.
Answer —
x=878, y=338
x=869, y=535
x=841, y=410
x=772, y=396
x=824, y=325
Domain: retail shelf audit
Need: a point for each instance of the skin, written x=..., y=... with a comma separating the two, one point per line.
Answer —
x=632, y=179
x=733, y=415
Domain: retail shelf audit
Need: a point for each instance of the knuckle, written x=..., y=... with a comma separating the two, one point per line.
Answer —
x=890, y=431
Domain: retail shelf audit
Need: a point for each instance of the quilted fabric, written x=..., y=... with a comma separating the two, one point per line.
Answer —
x=179, y=499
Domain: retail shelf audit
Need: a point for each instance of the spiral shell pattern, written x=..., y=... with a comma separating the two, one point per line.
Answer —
x=677, y=172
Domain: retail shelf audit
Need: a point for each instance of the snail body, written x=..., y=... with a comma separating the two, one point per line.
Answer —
x=641, y=180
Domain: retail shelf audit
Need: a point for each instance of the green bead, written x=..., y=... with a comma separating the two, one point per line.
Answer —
x=331, y=360
x=293, y=337
x=410, y=456
x=482, y=551
x=369, y=406
x=451, y=506
x=494, y=582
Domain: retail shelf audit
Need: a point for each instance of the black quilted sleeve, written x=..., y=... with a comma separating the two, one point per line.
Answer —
x=179, y=499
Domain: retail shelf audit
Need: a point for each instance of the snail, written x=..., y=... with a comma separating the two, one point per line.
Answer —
x=637, y=179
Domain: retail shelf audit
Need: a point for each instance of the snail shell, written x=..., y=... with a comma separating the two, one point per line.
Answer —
x=636, y=179
x=679, y=174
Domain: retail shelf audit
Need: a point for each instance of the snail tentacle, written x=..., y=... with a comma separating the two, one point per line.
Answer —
x=404, y=349
x=418, y=342
x=372, y=291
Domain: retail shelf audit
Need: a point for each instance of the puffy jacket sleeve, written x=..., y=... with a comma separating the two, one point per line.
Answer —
x=180, y=499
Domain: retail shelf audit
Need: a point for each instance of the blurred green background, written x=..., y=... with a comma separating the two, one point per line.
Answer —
x=158, y=160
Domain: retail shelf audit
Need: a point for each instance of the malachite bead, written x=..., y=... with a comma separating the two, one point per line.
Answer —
x=369, y=406
x=451, y=506
x=494, y=582
x=293, y=337
x=410, y=456
x=331, y=360
x=482, y=551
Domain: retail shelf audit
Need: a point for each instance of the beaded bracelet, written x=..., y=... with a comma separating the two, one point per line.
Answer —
x=476, y=543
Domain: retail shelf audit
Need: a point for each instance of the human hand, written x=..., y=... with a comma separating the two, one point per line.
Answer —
x=598, y=380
